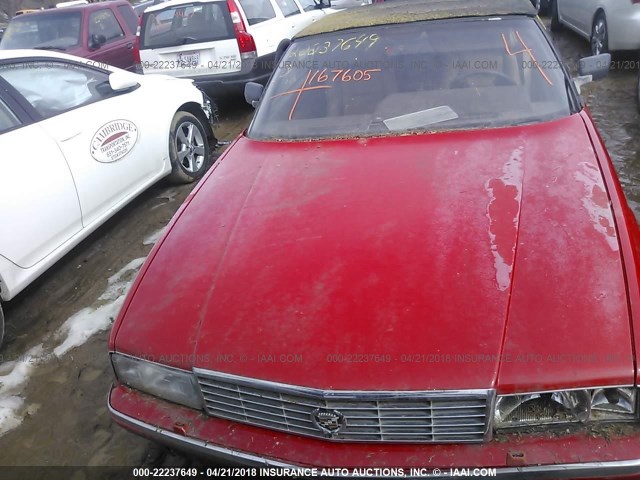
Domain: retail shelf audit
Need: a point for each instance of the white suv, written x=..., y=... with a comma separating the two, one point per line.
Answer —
x=221, y=44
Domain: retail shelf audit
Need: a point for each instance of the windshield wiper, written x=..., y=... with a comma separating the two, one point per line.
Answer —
x=421, y=118
x=186, y=40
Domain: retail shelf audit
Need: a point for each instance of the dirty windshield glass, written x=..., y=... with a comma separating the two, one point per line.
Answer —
x=186, y=23
x=436, y=75
x=50, y=31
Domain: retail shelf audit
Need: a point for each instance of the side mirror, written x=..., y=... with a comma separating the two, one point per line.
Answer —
x=596, y=66
x=119, y=81
x=96, y=41
x=252, y=93
x=592, y=69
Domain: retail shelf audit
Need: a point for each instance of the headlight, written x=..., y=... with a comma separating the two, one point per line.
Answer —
x=602, y=404
x=167, y=383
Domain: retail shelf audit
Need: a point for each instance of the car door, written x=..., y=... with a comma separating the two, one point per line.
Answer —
x=39, y=207
x=568, y=11
x=293, y=20
x=108, y=138
x=585, y=11
x=263, y=25
x=579, y=14
x=107, y=40
x=310, y=12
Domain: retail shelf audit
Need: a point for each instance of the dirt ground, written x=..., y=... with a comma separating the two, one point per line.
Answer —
x=65, y=415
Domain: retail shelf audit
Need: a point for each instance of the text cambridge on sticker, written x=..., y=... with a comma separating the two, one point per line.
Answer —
x=113, y=141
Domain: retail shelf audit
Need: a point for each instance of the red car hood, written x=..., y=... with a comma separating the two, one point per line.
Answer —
x=442, y=261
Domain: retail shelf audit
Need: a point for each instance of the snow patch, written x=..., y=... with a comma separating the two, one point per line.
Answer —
x=78, y=328
x=512, y=175
x=168, y=195
x=13, y=376
x=118, y=283
x=89, y=321
x=154, y=237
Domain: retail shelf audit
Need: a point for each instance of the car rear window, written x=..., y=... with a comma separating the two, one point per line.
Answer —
x=57, y=31
x=185, y=24
x=421, y=76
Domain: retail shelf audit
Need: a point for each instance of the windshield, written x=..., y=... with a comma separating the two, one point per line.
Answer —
x=435, y=75
x=53, y=31
x=186, y=23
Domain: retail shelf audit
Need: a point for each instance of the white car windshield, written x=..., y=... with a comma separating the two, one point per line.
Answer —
x=435, y=75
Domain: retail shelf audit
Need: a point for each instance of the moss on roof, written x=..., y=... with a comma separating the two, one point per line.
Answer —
x=406, y=11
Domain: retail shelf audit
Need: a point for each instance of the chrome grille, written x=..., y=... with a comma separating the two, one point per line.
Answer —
x=371, y=416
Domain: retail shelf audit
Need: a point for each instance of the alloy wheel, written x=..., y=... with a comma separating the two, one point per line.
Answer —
x=190, y=147
x=598, y=36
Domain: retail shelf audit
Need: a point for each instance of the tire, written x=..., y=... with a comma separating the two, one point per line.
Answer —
x=556, y=26
x=638, y=92
x=1, y=326
x=188, y=149
x=544, y=7
x=599, y=35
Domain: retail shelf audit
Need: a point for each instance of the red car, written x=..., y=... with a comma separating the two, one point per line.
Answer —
x=103, y=32
x=417, y=256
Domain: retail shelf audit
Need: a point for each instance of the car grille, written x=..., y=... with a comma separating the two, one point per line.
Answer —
x=363, y=416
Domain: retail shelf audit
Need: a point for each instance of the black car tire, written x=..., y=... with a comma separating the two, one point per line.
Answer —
x=638, y=92
x=544, y=7
x=555, y=19
x=599, y=34
x=190, y=158
x=1, y=326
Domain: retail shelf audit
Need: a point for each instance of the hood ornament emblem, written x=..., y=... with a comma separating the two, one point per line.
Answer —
x=330, y=422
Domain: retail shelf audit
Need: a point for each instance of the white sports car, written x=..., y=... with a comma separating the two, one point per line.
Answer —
x=94, y=137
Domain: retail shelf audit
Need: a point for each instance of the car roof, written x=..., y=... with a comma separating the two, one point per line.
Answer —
x=73, y=8
x=174, y=3
x=406, y=11
x=34, y=53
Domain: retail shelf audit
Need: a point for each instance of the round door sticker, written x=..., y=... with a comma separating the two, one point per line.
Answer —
x=113, y=141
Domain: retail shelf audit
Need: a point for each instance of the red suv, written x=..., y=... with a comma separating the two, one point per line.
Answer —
x=104, y=32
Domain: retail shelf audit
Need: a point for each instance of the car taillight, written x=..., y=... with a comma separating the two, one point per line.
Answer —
x=136, y=48
x=246, y=43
